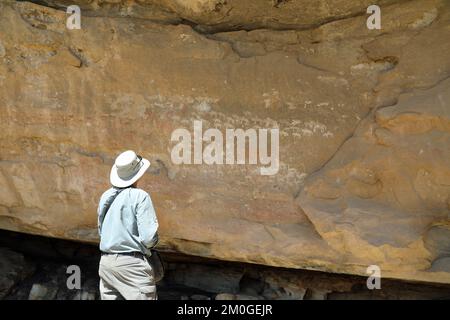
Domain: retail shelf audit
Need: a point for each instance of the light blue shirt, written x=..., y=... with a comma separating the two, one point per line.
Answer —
x=130, y=223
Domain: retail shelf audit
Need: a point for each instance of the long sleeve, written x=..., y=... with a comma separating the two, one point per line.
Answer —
x=101, y=216
x=147, y=222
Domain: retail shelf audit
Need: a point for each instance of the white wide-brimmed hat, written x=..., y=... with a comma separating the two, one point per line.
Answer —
x=127, y=169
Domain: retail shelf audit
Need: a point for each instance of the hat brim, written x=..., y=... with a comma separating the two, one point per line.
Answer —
x=118, y=182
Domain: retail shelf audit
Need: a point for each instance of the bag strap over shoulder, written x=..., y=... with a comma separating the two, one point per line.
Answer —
x=106, y=207
x=111, y=199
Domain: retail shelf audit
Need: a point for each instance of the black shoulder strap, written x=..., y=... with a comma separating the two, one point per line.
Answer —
x=111, y=199
x=106, y=207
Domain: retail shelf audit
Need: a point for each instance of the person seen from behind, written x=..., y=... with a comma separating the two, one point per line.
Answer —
x=128, y=229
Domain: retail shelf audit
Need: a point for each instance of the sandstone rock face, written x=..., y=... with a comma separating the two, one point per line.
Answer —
x=363, y=115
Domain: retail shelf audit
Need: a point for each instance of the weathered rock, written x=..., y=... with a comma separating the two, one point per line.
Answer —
x=42, y=292
x=363, y=119
x=391, y=183
x=207, y=278
x=50, y=276
x=229, y=296
x=13, y=269
x=246, y=297
x=278, y=288
x=225, y=296
x=316, y=294
x=252, y=286
x=200, y=297
x=216, y=15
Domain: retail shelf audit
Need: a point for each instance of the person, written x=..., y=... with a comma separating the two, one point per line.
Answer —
x=127, y=225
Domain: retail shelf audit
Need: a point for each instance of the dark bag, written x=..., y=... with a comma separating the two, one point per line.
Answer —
x=157, y=265
x=155, y=258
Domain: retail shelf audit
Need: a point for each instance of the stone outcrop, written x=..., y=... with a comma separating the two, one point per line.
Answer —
x=364, y=120
x=13, y=269
x=186, y=277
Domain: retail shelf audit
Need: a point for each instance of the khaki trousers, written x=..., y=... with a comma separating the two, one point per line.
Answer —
x=126, y=277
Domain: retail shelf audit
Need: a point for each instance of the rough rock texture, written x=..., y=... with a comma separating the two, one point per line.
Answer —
x=186, y=277
x=13, y=269
x=364, y=119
